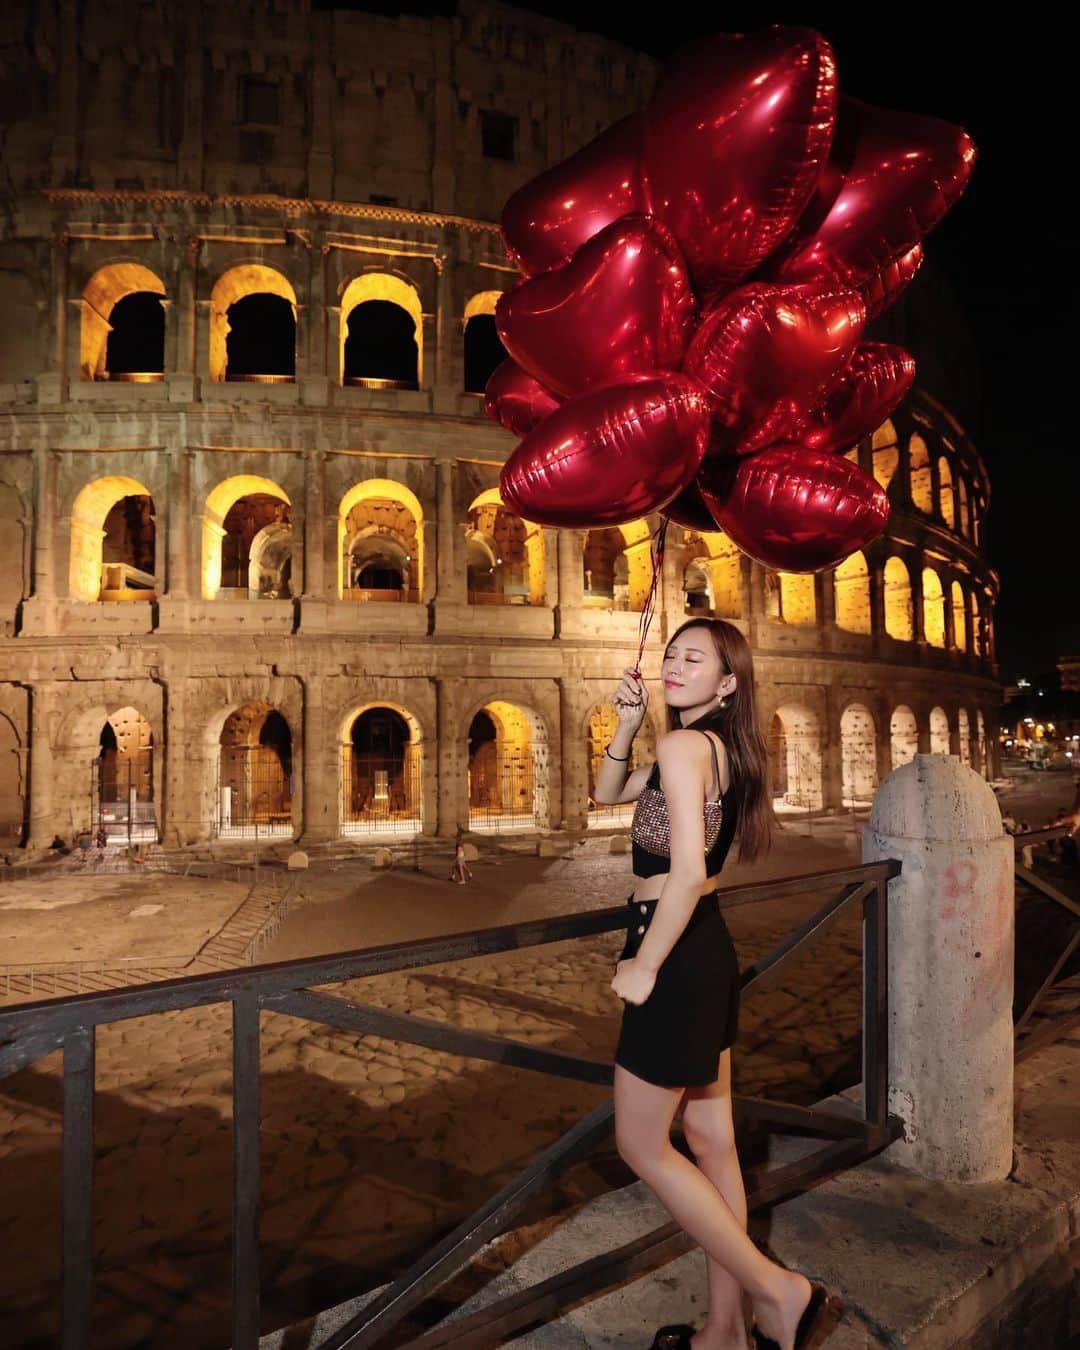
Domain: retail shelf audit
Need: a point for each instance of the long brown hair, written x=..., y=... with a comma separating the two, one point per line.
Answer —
x=737, y=726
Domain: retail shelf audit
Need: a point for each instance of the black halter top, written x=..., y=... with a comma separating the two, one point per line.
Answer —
x=650, y=830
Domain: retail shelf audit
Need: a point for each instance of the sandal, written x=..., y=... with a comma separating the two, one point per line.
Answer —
x=675, y=1337
x=821, y=1314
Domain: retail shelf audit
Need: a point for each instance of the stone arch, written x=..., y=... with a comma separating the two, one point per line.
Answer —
x=219, y=525
x=507, y=755
x=858, y=755
x=946, y=499
x=381, y=289
x=965, y=511
x=600, y=724
x=959, y=612
x=233, y=287
x=12, y=786
x=903, y=736
x=885, y=454
x=795, y=758
x=380, y=520
x=933, y=603
x=939, y=731
x=981, y=759
x=504, y=554
x=125, y=788
x=851, y=582
x=899, y=609
x=484, y=350
x=791, y=597
x=963, y=732
x=255, y=772
x=108, y=287
x=617, y=566
x=270, y=562
x=976, y=625
x=381, y=754
x=922, y=490
x=112, y=533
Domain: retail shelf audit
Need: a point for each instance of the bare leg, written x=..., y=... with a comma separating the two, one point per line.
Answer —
x=710, y=1132
x=643, y=1116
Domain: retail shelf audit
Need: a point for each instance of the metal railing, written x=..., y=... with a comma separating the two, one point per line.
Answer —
x=32, y=1030
x=1032, y=1027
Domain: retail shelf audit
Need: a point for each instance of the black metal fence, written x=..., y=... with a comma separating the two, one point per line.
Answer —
x=35, y=1029
x=380, y=793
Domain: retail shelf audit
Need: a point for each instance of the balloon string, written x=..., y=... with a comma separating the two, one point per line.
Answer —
x=649, y=608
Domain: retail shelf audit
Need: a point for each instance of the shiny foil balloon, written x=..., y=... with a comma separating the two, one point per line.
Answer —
x=867, y=390
x=622, y=304
x=734, y=139
x=898, y=175
x=766, y=356
x=545, y=222
x=884, y=286
x=795, y=509
x=688, y=509
x=513, y=398
x=610, y=455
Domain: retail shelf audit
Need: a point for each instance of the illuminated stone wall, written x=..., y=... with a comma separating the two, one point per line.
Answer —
x=329, y=161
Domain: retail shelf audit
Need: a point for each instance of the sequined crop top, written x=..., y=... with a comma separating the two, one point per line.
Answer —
x=650, y=830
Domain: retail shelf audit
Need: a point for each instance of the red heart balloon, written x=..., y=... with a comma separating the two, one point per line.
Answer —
x=898, y=174
x=795, y=509
x=866, y=391
x=514, y=398
x=734, y=138
x=884, y=286
x=610, y=455
x=622, y=304
x=545, y=222
x=766, y=355
x=688, y=509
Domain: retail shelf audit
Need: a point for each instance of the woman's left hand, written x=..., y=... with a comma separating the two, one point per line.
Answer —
x=633, y=983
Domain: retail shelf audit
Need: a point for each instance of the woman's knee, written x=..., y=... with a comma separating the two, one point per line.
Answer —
x=641, y=1150
x=708, y=1127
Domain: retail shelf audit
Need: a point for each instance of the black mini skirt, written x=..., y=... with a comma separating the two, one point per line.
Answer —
x=676, y=1037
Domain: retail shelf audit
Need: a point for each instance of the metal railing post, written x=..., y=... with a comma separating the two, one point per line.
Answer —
x=245, y=1254
x=876, y=1005
x=77, y=1271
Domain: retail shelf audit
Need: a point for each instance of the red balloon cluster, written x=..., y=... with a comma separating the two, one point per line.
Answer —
x=688, y=335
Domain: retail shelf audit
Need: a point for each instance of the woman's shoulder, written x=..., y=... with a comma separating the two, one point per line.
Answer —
x=675, y=746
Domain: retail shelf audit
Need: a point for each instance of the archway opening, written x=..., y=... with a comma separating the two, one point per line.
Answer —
x=899, y=610
x=933, y=608
x=795, y=759
x=976, y=626
x=885, y=453
x=122, y=335
x=483, y=352
x=939, y=732
x=380, y=773
x=963, y=731
x=981, y=762
x=965, y=513
x=12, y=786
x=380, y=347
x=851, y=580
x=125, y=779
x=617, y=567
x=508, y=768
x=113, y=542
x=959, y=612
x=602, y=724
x=504, y=555
x=247, y=540
x=253, y=326
x=945, y=493
x=380, y=543
x=255, y=774
x=922, y=488
x=858, y=755
x=790, y=597
x=903, y=736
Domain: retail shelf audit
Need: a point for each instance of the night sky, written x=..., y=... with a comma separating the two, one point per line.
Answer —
x=1006, y=249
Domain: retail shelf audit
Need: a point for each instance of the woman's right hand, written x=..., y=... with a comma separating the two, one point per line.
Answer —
x=631, y=699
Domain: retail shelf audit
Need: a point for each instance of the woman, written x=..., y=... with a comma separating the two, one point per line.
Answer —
x=678, y=975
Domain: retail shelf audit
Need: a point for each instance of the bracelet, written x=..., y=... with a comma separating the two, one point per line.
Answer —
x=619, y=759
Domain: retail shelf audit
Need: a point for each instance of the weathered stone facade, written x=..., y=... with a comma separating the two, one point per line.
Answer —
x=312, y=545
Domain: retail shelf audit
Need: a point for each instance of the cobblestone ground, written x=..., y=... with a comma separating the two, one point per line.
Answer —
x=372, y=1148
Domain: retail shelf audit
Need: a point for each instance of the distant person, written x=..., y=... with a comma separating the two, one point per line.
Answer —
x=460, y=870
x=678, y=973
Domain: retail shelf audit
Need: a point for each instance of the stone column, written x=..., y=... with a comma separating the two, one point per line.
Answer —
x=575, y=775
x=179, y=823
x=951, y=915
x=181, y=378
x=453, y=806
x=40, y=812
x=178, y=526
x=450, y=565
x=319, y=789
x=825, y=598
x=315, y=526
x=877, y=598
x=571, y=575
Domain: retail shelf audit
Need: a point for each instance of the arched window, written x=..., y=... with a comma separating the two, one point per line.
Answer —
x=903, y=736
x=933, y=608
x=247, y=540
x=617, y=567
x=112, y=541
x=858, y=754
x=508, y=768
x=899, y=616
x=976, y=626
x=504, y=555
x=483, y=346
x=380, y=539
x=697, y=587
x=125, y=783
x=790, y=597
x=885, y=454
x=963, y=727
x=795, y=759
x=965, y=512
x=922, y=492
x=380, y=772
x=959, y=611
x=381, y=333
x=939, y=732
x=945, y=493
x=122, y=335
x=255, y=773
x=253, y=326
x=851, y=580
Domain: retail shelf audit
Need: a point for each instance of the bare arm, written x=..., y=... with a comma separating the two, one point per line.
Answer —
x=612, y=781
x=685, y=769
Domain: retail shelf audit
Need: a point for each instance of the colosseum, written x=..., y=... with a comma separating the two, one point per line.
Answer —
x=256, y=579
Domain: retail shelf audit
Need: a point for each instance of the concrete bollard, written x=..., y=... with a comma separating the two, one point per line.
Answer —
x=951, y=927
